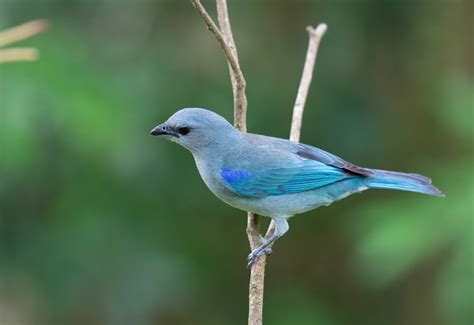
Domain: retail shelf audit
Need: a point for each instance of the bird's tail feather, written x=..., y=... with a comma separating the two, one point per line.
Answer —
x=402, y=181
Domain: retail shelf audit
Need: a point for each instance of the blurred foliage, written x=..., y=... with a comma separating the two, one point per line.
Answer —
x=102, y=224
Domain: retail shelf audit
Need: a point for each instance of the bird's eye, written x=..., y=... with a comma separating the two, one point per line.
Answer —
x=183, y=130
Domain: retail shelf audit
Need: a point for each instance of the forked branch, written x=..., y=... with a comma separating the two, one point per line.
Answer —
x=225, y=39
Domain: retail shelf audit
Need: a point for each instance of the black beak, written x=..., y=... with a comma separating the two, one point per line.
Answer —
x=158, y=130
x=162, y=129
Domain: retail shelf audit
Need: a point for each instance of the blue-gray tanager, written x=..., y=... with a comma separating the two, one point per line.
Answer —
x=273, y=177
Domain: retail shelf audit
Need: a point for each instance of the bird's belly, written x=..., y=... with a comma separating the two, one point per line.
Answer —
x=281, y=205
x=291, y=204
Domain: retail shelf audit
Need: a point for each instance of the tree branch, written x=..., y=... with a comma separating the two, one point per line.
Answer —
x=315, y=36
x=257, y=272
x=19, y=33
x=18, y=54
x=226, y=41
x=22, y=32
x=236, y=76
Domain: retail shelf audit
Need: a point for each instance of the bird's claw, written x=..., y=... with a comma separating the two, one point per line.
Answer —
x=256, y=253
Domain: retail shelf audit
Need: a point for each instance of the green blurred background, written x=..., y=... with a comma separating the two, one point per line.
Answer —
x=102, y=224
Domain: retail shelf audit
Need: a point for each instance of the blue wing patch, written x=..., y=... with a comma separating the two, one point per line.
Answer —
x=232, y=176
x=298, y=177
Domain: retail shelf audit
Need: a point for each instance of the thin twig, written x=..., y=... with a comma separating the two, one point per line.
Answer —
x=226, y=40
x=257, y=272
x=18, y=54
x=22, y=32
x=315, y=36
x=228, y=45
x=237, y=78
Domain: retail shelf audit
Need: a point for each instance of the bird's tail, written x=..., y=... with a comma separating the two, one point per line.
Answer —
x=401, y=181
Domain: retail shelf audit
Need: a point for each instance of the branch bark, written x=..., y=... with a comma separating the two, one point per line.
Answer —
x=225, y=39
x=236, y=76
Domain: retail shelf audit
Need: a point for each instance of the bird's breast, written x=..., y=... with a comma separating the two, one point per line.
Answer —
x=210, y=172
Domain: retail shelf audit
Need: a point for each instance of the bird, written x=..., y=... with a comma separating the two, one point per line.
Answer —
x=273, y=177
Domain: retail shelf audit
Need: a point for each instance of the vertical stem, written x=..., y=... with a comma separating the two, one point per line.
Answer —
x=257, y=272
x=236, y=76
x=315, y=36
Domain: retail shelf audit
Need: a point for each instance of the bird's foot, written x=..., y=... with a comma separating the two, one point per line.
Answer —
x=256, y=253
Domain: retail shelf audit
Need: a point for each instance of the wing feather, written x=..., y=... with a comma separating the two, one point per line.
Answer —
x=325, y=157
x=298, y=177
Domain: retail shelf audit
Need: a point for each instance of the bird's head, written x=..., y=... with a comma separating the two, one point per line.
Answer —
x=196, y=129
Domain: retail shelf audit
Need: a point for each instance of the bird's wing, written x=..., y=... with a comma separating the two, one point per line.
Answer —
x=279, y=167
x=327, y=158
x=293, y=178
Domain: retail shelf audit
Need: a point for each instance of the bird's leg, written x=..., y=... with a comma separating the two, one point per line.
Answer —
x=281, y=227
x=261, y=250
